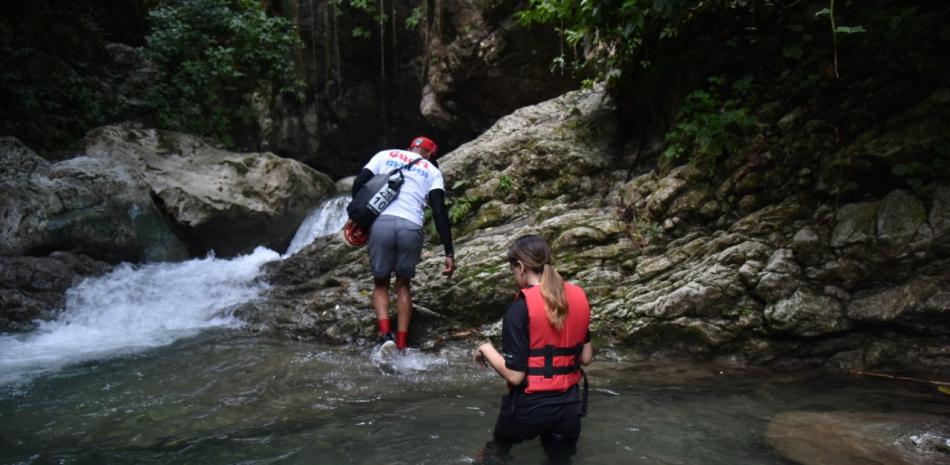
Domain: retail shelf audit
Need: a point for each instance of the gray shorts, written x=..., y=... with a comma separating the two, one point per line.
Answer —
x=395, y=244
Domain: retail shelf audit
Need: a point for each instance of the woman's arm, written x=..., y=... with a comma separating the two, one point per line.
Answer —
x=587, y=354
x=487, y=354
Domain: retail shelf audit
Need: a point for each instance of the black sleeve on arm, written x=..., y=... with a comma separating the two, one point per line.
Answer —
x=361, y=179
x=441, y=218
x=515, y=342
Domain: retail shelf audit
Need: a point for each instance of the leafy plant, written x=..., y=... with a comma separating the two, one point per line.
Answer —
x=504, y=183
x=710, y=125
x=415, y=17
x=610, y=31
x=917, y=173
x=459, y=209
x=835, y=30
x=209, y=57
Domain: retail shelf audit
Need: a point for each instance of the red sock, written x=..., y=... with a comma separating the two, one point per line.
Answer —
x=384, y=328
x=401, y=339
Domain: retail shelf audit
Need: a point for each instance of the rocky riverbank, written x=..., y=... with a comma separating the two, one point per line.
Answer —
x=761, y=264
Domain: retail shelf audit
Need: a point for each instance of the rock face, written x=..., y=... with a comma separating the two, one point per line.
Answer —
x=228, y=202
x=487, y=66
x=450, y=67
x=673, y=259
x=86, y=205
x=34, y=288
x=852, y=438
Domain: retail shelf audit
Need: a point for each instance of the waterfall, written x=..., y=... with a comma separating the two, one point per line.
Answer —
x=328, y=218
x=137, y=307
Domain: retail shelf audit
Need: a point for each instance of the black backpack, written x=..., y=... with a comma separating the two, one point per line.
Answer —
x=376, y=195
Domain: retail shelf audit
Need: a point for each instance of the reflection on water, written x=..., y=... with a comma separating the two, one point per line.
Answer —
x=224, y=397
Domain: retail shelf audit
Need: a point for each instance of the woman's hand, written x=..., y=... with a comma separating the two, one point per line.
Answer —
x=480, y=357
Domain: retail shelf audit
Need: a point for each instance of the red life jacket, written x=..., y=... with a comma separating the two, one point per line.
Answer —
x=554, y=357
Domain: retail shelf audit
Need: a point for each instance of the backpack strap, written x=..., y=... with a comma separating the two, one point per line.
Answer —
x=407, y=165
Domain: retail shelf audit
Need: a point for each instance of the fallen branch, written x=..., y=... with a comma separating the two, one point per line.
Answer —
x=905, y=378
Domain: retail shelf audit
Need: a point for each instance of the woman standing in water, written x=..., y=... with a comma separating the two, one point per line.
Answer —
x=545, y=340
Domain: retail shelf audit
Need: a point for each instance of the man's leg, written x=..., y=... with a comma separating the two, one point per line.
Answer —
x=403, y=310
x=408, y=249
x=381, y=304
x=382, y=258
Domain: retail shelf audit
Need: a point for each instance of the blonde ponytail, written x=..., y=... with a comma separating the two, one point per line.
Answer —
x=552, y=291
x=533, y=252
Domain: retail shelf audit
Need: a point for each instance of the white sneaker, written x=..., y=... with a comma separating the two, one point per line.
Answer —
x=387, y=349
x=383, y=357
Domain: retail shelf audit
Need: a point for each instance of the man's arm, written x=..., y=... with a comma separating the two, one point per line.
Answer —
x=441, y=218
x=361, y=179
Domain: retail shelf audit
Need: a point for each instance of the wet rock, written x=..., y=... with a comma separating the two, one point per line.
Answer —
x=344, y=185
x=34, y=288
x=856, y=224
x=807, y=314
x=808, y=246
x=228, y=202
x=856, y=438
x=899, y=217
x=780, y=278
x=939, y=217
x=922, y=304
x=667, y=189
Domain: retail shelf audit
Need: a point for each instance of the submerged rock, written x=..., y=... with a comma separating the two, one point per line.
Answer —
x=855, y=438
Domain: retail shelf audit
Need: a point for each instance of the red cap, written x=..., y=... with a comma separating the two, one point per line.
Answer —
x=425, y=143
x=354, y=235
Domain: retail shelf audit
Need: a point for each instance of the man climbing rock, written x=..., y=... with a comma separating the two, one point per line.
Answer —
x=396, y=236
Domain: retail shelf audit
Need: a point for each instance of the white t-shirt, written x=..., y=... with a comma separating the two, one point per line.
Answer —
x=419, y=180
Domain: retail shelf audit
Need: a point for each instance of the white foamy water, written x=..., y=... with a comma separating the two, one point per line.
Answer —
x=328, y=218
x=136, y=307
x=132, y=308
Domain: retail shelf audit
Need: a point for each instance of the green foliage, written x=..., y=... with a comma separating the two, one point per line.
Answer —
x=610, y=30
x=459, y=209
x=361, y=32
x=415, y=17
x=929, y=168
x=210, y=56
x=504, y=183
x=58, y=100
x=710, y=125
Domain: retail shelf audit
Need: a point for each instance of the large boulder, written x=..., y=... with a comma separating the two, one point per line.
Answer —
x=86, y=205
x=219, y=200
x=922, y=305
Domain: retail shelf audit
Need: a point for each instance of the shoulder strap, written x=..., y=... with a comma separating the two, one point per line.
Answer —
x=406, y=166
x=413, y=162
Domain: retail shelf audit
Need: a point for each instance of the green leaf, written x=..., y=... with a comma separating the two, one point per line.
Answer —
x=850, y=29
x=822, y=13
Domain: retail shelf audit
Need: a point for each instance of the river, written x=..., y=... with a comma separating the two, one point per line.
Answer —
x=148, y=366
